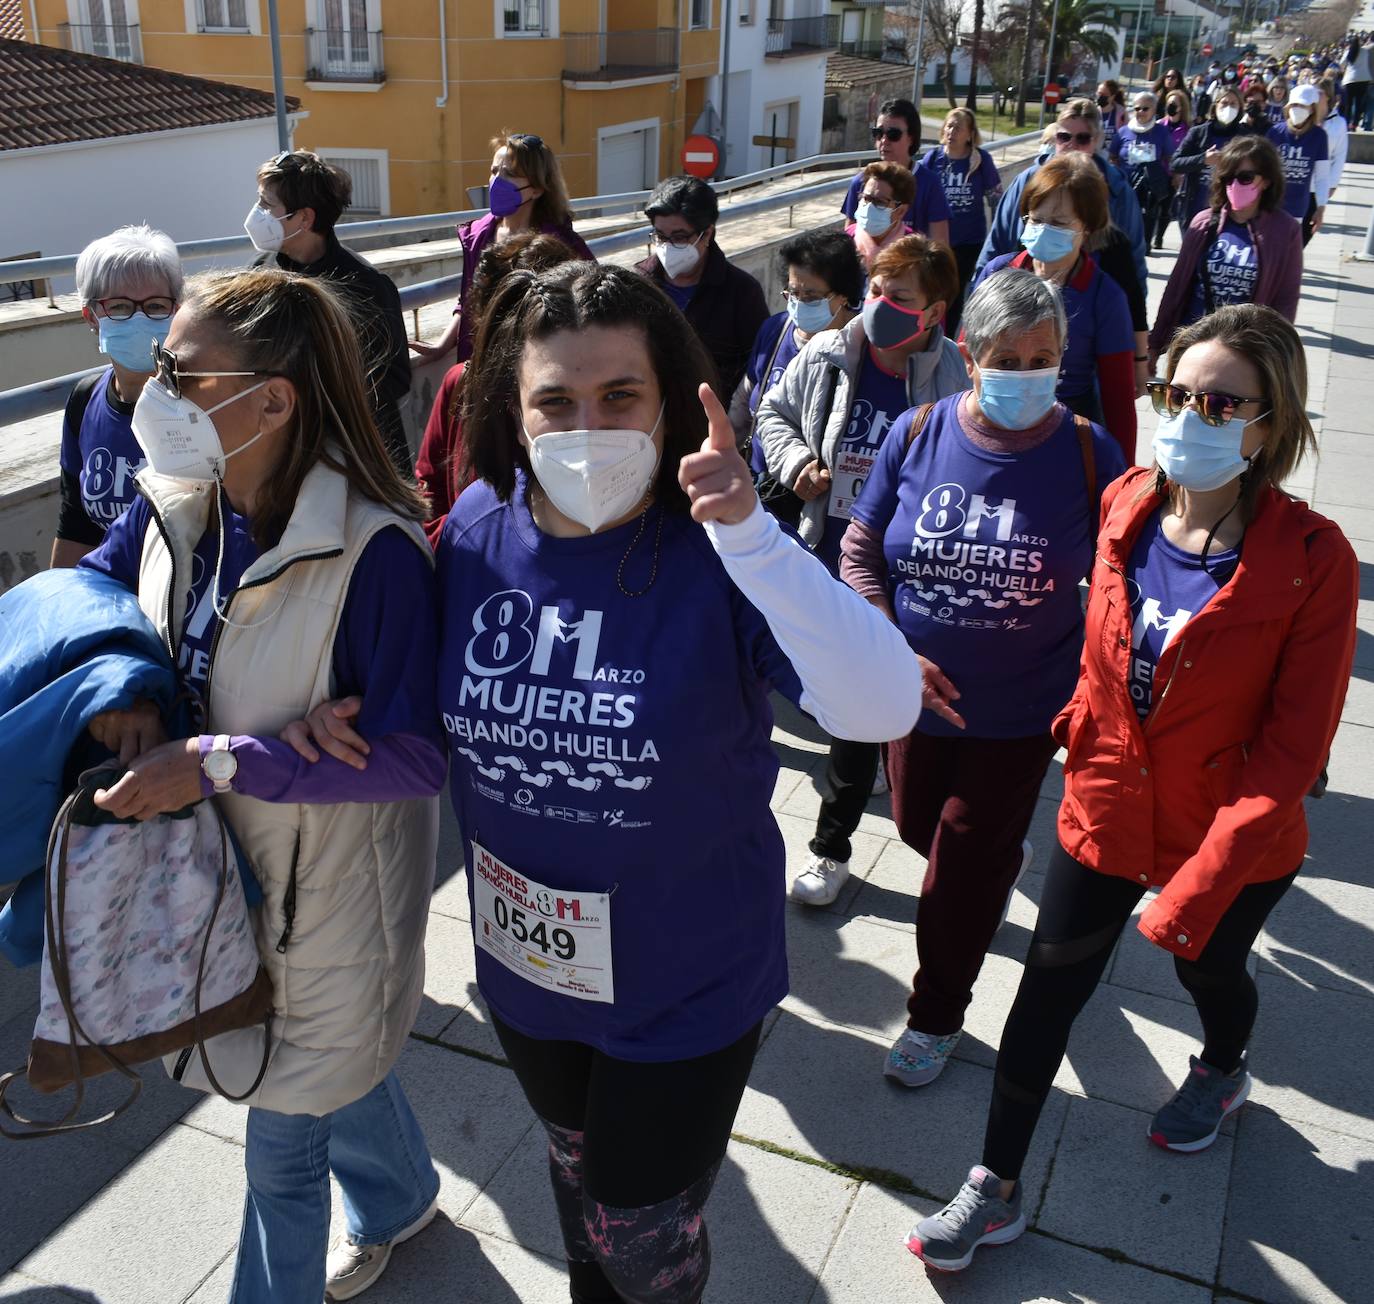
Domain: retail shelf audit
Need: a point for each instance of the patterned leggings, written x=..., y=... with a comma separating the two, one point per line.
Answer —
x=634, y=1149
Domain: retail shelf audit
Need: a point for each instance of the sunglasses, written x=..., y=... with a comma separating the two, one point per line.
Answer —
x=1144, y=108
x=892, y=134
x=158, y=308
x=170, y=375
x=1077, y=137
x=1214, y=409
x=526, y=138
x=1246, y=177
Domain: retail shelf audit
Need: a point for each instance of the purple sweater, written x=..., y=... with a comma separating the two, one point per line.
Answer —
x=1278, y=250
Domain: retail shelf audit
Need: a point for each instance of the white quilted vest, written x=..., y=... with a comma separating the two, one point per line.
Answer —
x=348, y=979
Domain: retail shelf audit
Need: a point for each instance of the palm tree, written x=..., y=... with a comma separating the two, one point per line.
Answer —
x=1079, y=27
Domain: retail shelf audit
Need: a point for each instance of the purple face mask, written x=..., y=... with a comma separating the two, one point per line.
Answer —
x=504, y=197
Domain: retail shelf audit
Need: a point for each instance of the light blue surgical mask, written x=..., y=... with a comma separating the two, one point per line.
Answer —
x=810, y=317
x=1016, y=400
x=871, y=219
x=1195, y=455
x=1048, y=243
x=130, y=342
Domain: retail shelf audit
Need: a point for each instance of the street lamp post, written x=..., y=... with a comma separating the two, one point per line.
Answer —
x=917, y=80
x=278, y=90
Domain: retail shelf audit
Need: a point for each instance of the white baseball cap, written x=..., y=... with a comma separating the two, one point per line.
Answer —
x=1306, y=94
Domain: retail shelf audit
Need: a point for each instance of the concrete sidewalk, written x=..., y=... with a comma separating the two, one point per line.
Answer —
x=831, y=1164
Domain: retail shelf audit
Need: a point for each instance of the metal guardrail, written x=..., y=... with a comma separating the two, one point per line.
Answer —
x=45, y=396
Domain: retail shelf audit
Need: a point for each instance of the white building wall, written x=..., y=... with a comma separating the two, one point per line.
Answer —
x=194, y=184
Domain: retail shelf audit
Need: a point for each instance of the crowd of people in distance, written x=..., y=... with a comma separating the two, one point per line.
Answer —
x=908, y=497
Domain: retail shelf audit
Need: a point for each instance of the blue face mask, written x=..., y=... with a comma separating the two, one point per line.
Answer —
x=1197, y=456
x=1048, y=243
x=810, y=317
x=130, y=342
x=1017, y=400
x=871, y=219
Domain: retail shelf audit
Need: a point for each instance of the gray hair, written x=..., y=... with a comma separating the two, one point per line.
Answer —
x=1010, y=303
x=131, y=253
x=1146, y=95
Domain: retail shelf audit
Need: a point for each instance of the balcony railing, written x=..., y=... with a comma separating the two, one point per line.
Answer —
x=620, y=56
x=109, y=40
x=344, y=55
x=879, y=50
x=222, y=16
x=789, y=36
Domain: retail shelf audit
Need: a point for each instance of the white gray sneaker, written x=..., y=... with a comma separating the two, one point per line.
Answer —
x=976, y=1216
x=1027, y=855
x=350, y=1269
x=820, y=882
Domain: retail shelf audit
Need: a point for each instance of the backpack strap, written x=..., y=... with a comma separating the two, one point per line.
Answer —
x=79, y=400
x=768, y=371
x=832, y=386
x=918, y=423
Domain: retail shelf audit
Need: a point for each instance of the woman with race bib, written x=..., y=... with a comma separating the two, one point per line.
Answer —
x=616, y=607
x=822, y=427
x=971, y=533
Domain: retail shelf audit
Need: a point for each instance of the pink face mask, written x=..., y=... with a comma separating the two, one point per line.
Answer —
x=1240, y=195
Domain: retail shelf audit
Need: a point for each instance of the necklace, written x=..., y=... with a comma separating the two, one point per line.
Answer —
x=653, y=570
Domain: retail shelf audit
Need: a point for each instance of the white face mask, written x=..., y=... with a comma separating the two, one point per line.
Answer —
x=594, y=476
x=178, y=437
x=267, y=233
x=677, y=260
x=1227, y=114
x=1298, y=114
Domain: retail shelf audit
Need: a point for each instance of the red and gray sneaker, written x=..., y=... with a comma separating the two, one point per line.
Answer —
x=976, y=1216
x=1191, y=1120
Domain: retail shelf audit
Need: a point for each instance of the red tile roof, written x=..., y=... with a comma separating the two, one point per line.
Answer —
x=11, y=20
x=52, y=97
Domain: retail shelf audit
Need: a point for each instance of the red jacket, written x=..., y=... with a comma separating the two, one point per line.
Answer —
x=439, y=464
x=1205, y=796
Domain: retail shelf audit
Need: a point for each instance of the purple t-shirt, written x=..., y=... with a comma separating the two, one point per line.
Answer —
x=385, y=651
x=777, y=331
x=1300, y=155
x=681, y=295
x=965, y=193
x=103, y=454
x=1150, y=150
x=1230, y=266
x=928, y=206
x=1099, y=322
x=1168, y=587
x=984, y=553
x=612, y=744
x=879, y=399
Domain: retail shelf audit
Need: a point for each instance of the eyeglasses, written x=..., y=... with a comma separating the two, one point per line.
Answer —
x=170, y=375
x=679, y=239
x=891, y=134
x=158, y=308
x=1077, y=137
x=804, y=296
x=1215, y=409
x=877, y=201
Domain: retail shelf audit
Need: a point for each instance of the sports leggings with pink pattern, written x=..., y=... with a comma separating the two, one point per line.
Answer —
x=634, y=1149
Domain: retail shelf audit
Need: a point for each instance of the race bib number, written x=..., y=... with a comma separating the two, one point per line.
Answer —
x=1140, y=153
x=550, y=937
x=850, y=472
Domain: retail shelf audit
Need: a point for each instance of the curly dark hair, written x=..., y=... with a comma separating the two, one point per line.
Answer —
x=1248, y=153
x=534, y=306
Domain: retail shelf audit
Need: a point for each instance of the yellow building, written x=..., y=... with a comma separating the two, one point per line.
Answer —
x=614, y=86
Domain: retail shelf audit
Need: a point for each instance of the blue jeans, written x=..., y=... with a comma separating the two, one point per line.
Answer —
x=375, y=1149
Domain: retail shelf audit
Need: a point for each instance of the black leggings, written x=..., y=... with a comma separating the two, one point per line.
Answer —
x=1082, y=914
x=634, y=1149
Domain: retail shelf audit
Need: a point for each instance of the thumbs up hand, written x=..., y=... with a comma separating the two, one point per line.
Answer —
x=716, y=480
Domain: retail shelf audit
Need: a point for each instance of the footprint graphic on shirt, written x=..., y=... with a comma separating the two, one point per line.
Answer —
x=496, y=776
x=537, y=780
x=470, y=754
x=510, y=762
x=559, y=767
x=586, y=785
x=606, y=768
x=637, y=784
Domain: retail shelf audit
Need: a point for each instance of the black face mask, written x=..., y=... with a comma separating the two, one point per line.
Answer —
x=1103, y=101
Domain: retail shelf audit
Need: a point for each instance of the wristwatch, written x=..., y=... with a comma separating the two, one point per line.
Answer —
x=220, y=764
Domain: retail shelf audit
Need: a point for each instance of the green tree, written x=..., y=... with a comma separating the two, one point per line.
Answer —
x=975, y=54
x=1078, y=30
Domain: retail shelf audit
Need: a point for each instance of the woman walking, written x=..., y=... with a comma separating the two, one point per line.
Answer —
x=1220, y=636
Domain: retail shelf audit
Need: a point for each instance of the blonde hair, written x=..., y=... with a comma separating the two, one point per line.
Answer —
x=296, y=327
x=968, y=118
x=1081, y=108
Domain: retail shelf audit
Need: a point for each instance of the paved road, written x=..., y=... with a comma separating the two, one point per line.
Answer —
x=831, y=1164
